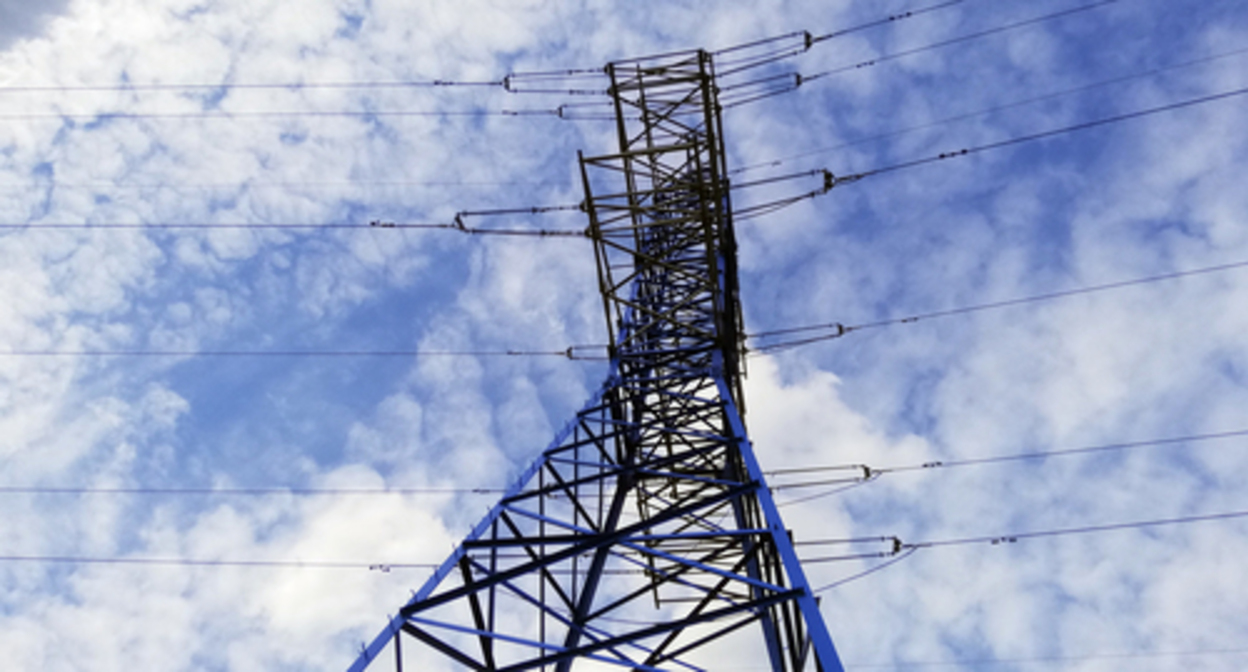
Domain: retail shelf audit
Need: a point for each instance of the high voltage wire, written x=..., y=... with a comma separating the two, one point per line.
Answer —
x=1015, y=537
x=191, y=562
x=383, y=114
x=796, y=80
x=458, y=223
x=374, y=225
x=1118, y=118
x=901, y=549
x=864, y=473
x=868, y=473
x=892, y=18
x=245, y=492
x=958, y=40
x=569, y=353
x=770, y=163
x=579, y=352
x=512, y=82
x=831, y=180
x=996, y=108
x=252, y=184
x=965, y=662
x=838, y=330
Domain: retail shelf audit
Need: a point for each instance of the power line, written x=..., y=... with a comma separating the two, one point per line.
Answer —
x=900, y=550
x=965, y=663
x=1193, y=653
x=837, y=329
x=568, y=353
x=1045, y=454
x=868, y=572
x=279, y=114
x=868, y=473
x=252, y=184
x=245, y=492
x=871, y=472
x=771, y=163
x=220, y=225
x=457, y=225
x=958, y=40
x=831, y=180
x=1072, y=531
x=515, y=82
x=190, y=562
x=256, y=86
x=892, y=18
x=996, y=108
x=1049, y=134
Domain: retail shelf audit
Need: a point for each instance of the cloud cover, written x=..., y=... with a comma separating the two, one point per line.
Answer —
x=1146, y=197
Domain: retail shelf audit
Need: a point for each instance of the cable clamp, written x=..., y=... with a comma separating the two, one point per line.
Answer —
x=830, y=180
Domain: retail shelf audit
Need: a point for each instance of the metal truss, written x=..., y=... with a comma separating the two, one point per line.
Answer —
x=644, y=537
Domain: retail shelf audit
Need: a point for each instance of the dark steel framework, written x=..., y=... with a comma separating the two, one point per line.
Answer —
x=644, y=537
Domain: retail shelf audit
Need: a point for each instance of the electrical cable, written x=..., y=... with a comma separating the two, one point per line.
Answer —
x=805, y=40
x=889, y=19
x=868, y=572
x=832, y=180
x=1040, y=455
x=458, y=225
x=869, y=471
x=771, y=163
x=869, y=474
x=967, y=662
x=246, y=492
x=392, y=114
x=998, y=108
x=1049, y=134
x=252, y=184
x=821, y=495
x=507, y=83
x=226, y=225
x=957, y=40
x=569, y=353
x=902, y=549
x=1071, y=531
x=189, y=562
x=293, y=86
x=839, y=330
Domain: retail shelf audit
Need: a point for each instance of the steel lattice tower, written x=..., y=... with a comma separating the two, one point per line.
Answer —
x=644, y=537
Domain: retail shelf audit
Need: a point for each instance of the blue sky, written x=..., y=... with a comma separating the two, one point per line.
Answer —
x=1145, y=197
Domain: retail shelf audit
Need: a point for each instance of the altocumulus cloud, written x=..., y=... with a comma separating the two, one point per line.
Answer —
x=1145, y=197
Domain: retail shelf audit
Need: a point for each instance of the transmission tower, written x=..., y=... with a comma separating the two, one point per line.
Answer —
x=644, y=536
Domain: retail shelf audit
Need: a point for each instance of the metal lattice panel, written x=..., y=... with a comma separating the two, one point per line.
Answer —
x=644, y=536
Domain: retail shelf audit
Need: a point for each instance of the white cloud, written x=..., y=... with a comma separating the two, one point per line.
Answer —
x=1146, y=197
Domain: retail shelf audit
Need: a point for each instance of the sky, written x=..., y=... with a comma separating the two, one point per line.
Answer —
x=124, y=362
